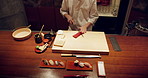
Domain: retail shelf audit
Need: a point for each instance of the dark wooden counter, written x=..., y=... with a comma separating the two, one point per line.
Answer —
x=18, y=59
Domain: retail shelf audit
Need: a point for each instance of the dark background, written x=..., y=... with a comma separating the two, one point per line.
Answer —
x=39, y=12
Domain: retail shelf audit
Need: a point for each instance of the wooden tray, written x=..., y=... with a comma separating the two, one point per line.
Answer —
x=42, y=65
x=70, y=66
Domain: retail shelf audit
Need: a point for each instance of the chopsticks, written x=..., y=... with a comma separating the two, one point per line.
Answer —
x=28, y=26
x=41, y=29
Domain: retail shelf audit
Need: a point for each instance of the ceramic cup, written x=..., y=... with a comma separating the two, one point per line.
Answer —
x=38, y=38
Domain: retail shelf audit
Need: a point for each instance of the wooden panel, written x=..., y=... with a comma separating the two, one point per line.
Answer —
x=47, y=18
x=33, y=17
x=61, y=22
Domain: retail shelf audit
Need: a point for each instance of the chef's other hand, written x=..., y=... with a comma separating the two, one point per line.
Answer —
x=69, y=19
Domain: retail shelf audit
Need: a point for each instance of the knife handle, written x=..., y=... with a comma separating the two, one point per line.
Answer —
x=77, y=34
x=67, y=55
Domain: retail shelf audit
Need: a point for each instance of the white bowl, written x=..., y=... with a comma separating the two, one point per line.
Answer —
x=21, y=34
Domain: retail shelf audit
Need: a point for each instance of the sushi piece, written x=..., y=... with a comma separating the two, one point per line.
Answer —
x=87, y=64
x=81, y=64
x=61, y=63
x=51, y=62
x=76, y=62
x=57, y=63
x=45, y=62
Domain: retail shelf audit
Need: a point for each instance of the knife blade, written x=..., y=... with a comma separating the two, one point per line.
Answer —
x=80, y=56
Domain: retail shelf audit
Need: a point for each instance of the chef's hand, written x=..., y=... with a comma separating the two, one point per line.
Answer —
x=69, y=19
x=83, y=28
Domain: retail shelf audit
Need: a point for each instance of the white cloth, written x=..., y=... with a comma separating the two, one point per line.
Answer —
x=82, y=12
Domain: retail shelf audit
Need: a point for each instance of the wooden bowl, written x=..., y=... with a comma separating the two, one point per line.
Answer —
x=22, y=33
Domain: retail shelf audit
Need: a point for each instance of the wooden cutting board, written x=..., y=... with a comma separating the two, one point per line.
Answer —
x=91, y=42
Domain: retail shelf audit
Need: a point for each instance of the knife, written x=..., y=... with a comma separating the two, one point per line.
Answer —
x=80, y=56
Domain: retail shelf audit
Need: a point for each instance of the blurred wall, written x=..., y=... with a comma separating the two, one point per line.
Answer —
x=12, y=14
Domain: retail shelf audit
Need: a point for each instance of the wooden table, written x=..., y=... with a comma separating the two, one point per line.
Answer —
x=18, y=59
